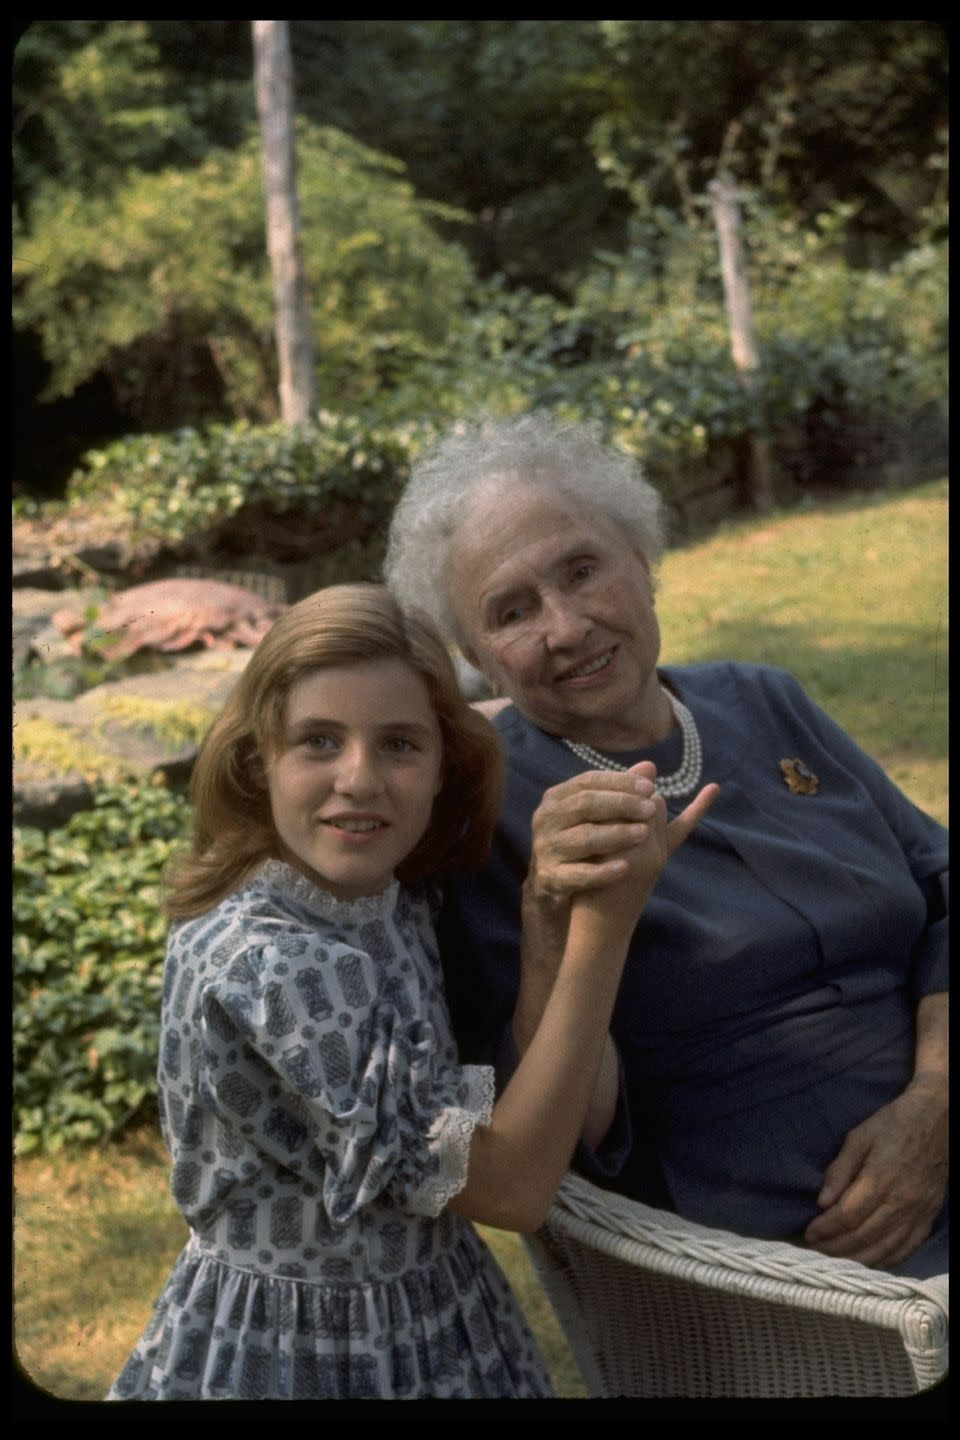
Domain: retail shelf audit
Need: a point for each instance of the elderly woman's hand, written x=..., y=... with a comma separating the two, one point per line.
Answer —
x=584, y=828
x=591, y=833
x=884, y=1190
x=612, y=909
x=580, y=829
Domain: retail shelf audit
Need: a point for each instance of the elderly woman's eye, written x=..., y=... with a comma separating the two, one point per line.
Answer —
x=585, y=570
x=511, y=615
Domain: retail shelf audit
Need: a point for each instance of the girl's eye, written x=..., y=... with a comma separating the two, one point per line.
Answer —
x=585, y=570
x=319, y=742
x=400, y=745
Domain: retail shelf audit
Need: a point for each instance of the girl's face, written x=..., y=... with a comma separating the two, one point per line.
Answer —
x=354, y=779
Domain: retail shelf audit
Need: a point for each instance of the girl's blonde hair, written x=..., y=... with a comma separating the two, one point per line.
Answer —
x=342, y=625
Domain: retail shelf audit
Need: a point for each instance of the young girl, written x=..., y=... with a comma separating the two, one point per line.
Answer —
x=326, y=1143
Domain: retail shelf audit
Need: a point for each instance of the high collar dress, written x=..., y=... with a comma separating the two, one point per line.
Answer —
x=319, y=1121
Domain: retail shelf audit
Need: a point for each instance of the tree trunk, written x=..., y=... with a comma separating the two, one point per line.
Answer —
x=273, y=73
x=743, y=348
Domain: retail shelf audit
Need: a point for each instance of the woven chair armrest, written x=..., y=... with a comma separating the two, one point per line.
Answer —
x=670, y=1244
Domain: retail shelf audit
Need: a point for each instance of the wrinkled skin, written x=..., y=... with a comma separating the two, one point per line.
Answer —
x=884, y=1190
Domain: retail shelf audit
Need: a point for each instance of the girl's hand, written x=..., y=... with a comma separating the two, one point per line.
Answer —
x=627, y=879
x=582, y=827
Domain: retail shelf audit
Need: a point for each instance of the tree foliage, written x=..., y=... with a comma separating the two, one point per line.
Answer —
x=93, y=99
x=170, y=268
x=524, y=122
x=843, y=352
x=533, y=125
x=812, y=112
x=849, y=360
x=567, y=159
x=490, y=115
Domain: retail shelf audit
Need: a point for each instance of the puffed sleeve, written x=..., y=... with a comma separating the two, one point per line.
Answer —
x=305, y=1053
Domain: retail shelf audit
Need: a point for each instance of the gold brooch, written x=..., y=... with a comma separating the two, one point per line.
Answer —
x=799, y=780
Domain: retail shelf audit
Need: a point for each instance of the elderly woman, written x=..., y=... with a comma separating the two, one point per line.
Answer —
x=777, y=1057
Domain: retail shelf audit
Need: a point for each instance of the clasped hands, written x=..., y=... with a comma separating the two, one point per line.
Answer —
x=591, y=831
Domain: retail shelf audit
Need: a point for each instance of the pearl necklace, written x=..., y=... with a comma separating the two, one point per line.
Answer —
x=682, y=781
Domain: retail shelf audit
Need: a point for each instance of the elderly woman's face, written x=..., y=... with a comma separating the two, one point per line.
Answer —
x=557, y=610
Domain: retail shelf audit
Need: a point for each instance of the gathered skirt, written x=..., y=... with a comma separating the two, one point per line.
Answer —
x=451, y=1329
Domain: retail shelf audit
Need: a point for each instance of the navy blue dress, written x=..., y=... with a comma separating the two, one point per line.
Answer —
x=768, y=1001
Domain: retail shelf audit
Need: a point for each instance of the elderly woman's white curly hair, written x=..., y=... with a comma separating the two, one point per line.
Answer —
x=571, y=460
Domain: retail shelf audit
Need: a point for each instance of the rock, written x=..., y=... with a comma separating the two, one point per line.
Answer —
x=201, y=679
x=86, y=739
x=37, y=570
x=172, y=615
x=47, y=804
x=108, y=559
x=33, y=610
x=25, y=629
x=32, y=600
x=78, y=541
x=67, y=621
x=49, y=644
x=58, y=569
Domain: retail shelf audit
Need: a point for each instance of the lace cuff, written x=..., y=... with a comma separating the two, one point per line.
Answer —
x=449, y=1139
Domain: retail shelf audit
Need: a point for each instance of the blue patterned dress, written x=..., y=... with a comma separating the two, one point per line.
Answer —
x=319, y=1122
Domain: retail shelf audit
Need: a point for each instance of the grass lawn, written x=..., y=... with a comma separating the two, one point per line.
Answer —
x=849, y=595
x=96, y=1235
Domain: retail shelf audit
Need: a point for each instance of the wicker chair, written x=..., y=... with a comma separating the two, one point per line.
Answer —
x=653, y=1305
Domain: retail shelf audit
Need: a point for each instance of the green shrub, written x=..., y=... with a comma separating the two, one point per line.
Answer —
x=848, y=358
x=170, y=488
x=844, y=353
x=89, y=940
